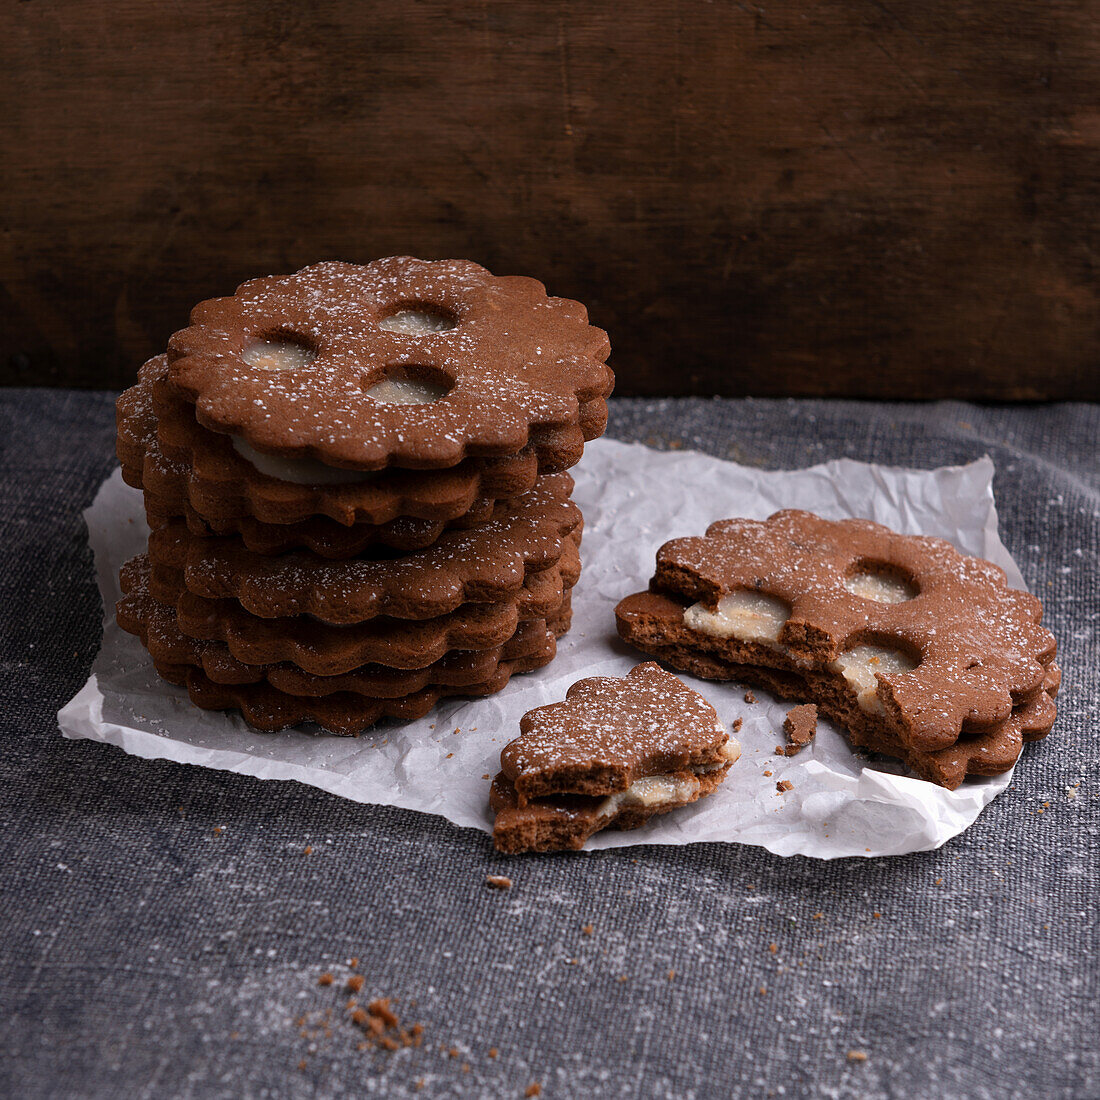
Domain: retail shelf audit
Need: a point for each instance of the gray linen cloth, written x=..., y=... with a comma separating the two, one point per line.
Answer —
x=163, y=927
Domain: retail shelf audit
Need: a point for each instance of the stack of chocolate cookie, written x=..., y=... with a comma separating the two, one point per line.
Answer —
x=355, y=480
x=918, y=651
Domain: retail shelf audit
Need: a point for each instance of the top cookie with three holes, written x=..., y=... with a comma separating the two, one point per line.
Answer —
x=401, y=362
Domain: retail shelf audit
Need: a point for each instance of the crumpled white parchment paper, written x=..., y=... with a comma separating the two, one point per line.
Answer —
x=633, y=500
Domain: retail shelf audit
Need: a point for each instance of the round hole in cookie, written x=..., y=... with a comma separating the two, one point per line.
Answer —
x=279, y=351
x=409, y=384
x=417, y=319
x=880, y=582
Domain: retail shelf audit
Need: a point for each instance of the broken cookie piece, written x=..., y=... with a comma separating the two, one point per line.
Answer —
x=614, y=753
x=800, y=726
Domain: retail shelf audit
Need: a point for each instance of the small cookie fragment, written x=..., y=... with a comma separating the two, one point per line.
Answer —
x=784, y=785
x=800, y=726
x=498, y=882
x=614, y=753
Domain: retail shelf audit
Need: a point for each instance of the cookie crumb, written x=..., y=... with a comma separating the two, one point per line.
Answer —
x=876, y=915
x=308, y=850
x=533, y=1089
x=857, y=1056
x=749, y=697
x=773, y=947
x=784, y=785
x=499, y=882
x=302, y=1064
x=588, y=929
x=671, y=975
x=326, y=979
x=800, y=726
x=494, y=1053
x=354, y=963
x=355, y=983
x=768, y=775
x=737, y=724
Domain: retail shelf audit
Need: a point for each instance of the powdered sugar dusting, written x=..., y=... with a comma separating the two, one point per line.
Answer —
x=606, y=721
x=513, y=368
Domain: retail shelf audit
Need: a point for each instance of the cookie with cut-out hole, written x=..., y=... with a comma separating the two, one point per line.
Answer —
x=174, y=458
x=329, y=650
x=531, y=646
x=400, y=362
x=614, y=753
x=928, y=638
x=486, y=564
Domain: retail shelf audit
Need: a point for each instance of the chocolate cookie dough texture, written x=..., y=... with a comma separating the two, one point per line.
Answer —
x=355, y=482
x=613, y=754
x=918, y=651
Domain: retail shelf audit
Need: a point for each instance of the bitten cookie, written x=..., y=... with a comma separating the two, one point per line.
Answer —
x=913, y=647
x=614, y=753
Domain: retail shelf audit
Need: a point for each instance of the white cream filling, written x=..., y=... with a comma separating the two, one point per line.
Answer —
x=277, y=355
x=298, y=471
x=416, y=322
x=880, y=588
x=859, y=665
x=754, y=617
x=661, y=790
x=747, y=616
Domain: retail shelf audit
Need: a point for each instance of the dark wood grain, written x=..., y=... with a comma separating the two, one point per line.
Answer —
x=813, y=197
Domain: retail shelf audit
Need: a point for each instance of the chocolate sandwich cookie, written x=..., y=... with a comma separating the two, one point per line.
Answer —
x=532, y=644
x=400, y=362
x=613, y=754
x=267, y=709
x=328, y=650
x=916, y=641
x=486, y=564
x=320, y=535
x=175, y=459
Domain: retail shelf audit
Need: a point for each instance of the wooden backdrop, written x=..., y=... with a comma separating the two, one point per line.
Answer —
x=855, y=197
